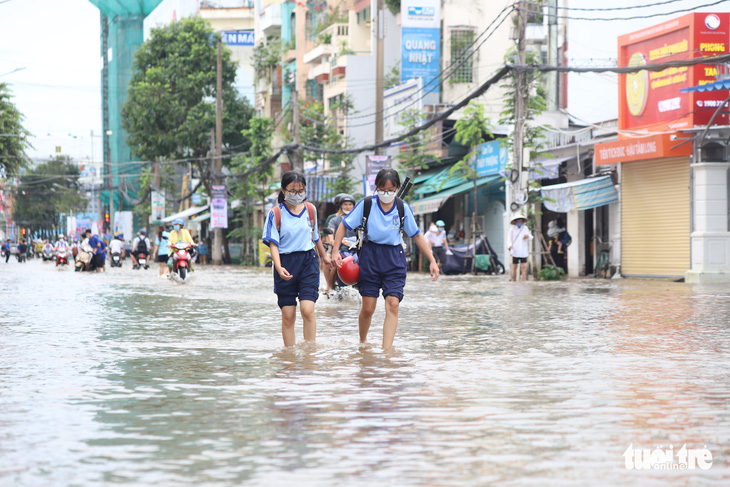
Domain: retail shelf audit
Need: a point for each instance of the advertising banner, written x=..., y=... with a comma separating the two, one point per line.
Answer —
x=421, y=41
x=652, y=99
x=373, y=165
x=158, y=207
x=123, y=225
x=491, y=158
x=396, y=100
x=238, y=38
x=219, y=207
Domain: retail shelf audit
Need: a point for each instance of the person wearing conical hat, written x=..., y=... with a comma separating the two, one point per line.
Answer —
x=518, y=238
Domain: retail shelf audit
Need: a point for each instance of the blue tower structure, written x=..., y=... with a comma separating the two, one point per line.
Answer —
x=122, y=33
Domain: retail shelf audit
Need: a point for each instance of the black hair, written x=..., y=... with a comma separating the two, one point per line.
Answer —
x=385, y=175
x=560, y=222
x=88, y=230
x=290, y=177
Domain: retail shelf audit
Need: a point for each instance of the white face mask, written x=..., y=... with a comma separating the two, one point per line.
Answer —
x=294, y=199
x=386, y=197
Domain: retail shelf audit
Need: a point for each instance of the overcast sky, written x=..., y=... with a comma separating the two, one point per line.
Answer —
x=56, y=42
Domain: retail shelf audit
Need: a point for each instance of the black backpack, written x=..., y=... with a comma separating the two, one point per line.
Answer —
x=142, y=245
x=362, y=230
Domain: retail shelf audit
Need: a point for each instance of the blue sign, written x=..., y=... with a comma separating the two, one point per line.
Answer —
x=421, y=56
x=236, y=38
x=491, y=158
x=425, y=11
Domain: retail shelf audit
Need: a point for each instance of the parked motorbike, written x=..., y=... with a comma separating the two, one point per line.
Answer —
x=84, y=259
x=181, y=259
x=62, y=257
x=116, y=260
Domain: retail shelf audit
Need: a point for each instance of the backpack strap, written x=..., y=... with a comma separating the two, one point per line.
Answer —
x=401, y=211
x=310, y=210
x=367, y=204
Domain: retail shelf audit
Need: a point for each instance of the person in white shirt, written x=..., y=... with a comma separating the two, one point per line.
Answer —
x=518, y=238
x=116, y=246
x=61, y=243
x=141, y=245
x=436, y=238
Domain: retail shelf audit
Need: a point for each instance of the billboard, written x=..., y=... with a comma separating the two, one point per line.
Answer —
x=652, y=100
x=396, y=101
x=491, y=158
x=219, y=207
x=421, y=41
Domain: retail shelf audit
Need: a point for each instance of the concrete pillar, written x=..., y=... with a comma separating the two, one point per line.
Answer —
x=710, y=237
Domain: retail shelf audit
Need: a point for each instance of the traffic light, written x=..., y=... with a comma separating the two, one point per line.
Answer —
x=106, y=217
x=22, y=230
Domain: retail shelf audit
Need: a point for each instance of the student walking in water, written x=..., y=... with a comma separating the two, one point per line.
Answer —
x=291, y=233
x=382, y=258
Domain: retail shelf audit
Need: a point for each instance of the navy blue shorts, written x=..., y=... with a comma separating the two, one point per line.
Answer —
x=382, y=267
x=304, y=267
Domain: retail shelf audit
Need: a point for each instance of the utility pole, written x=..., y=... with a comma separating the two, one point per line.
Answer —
x=553, y=93
x=379, y=75
x=217, y=162
x=520, y=88
x=111, y=201
x=295, y=157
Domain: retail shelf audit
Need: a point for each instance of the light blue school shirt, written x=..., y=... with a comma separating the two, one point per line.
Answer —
x=383, y=228
x=295, y=234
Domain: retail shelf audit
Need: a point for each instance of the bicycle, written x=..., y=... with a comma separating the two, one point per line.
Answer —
x=603, y=263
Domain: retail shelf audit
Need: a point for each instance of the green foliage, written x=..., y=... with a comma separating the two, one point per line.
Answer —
x=266, y=57
x=12, y=149
x=170, y=111
x=47, y=191
x=325, y=39
x=471, y=130
x=392, y=77
x=254, y=186
x=393, y=6
x=331, y=17
x=550, y=273
x=414, y=156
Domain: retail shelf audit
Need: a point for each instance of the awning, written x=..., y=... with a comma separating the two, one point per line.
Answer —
x=318, y=188
x=550, y=166
x=436, y=201
x=580, y=195
x=721, y=84
x=201, y=218
x=440, y=181
x=185, y=214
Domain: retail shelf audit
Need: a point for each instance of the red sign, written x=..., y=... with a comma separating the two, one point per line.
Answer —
x=652, y=100
x=640, y=149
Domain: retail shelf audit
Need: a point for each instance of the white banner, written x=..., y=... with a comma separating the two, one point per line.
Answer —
x=219, y=207
x=158, y=207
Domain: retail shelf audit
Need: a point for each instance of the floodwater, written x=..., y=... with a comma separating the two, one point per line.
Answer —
x=126, y=379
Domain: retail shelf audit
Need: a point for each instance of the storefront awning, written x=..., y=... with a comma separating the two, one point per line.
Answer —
x=440, y=181
x=436, y=201
x=721, y=84
x=580, y=195
x=185, y=214
x=201, y=218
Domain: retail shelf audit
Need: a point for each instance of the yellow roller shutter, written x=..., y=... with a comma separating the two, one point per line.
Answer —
x=655, y=224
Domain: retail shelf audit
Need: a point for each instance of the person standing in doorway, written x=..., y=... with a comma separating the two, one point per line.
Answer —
x=518, y=238
x=291, y=233
x=436, y=237
x=556, y=233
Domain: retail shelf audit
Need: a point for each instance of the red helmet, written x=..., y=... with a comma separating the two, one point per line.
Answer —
x=349, y=273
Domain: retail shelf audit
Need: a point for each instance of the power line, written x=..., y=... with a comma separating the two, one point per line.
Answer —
x=635, y=17
x=607, y=9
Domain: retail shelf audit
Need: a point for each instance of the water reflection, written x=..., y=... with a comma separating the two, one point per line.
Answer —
x=490, y=383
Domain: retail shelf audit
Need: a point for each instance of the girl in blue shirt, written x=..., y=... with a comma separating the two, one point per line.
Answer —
x=296, y=268
x=382, y=260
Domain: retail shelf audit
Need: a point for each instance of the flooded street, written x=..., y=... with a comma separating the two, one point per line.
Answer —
x=126, y=379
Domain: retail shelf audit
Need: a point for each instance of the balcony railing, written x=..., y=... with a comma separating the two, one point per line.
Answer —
x=226, y=3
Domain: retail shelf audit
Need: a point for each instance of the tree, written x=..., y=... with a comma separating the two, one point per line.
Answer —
x=14, y=137
x=254, y=187
x=46, y=192
x=471, y=130
x=170, y=111
x=413, y=155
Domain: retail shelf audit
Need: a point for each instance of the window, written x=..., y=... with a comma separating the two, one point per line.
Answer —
x=462, y=54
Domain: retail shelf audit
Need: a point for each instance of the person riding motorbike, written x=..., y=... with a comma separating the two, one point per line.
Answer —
x=61, y=243
x=345, y=203
x=99, y=249
x=116, y=247
x=141, y=245
x=178, y=234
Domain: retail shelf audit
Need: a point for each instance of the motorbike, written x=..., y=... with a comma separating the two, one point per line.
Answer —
x=142, y=261
x=62, y=256
x=181, y=260
x=48, y=254
x=84, y=259
x=116, y=260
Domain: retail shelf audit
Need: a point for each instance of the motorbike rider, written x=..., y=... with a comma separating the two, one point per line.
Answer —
x=99, y=249
x=345, y=203
x=141, y=245
x=61, y=243
x=178, y=234
x=116, y=246
x=47, y=248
